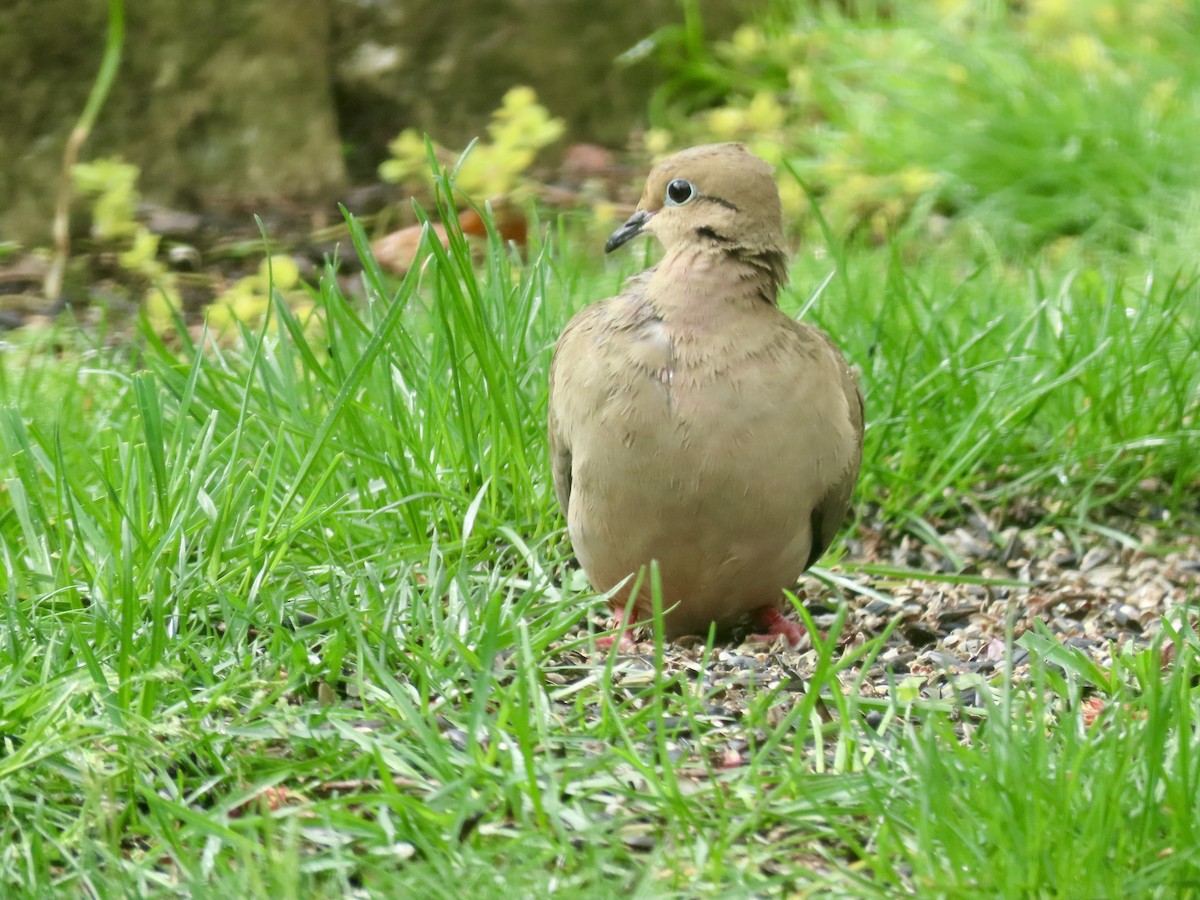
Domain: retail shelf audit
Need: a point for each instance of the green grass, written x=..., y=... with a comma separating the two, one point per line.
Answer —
x=292, y=616
x=328, y=563
x=1003, y=127
x=1038, y=804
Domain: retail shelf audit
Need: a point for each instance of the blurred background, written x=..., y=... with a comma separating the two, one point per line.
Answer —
x=258, y=103
x=1006, y=127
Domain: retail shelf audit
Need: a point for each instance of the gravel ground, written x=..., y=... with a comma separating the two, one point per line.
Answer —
x=953, y=598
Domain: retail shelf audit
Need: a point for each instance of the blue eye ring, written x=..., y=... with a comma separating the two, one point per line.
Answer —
x=679, y=192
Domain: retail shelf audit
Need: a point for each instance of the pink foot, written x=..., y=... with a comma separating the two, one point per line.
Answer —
x=624, y=641
x=778, y=625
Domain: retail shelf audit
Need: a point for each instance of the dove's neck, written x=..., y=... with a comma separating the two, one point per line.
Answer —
x=696, y=277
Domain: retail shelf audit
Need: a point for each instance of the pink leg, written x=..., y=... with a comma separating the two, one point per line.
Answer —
x=777, y=624
x=625, y=642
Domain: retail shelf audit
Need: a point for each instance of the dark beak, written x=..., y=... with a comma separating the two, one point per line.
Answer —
x=632, y=228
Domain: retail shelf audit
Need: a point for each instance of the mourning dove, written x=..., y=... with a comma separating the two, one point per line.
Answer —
x=694, y=423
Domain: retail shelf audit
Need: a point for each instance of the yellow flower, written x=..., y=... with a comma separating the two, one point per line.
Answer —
x=764, y=113
x=769, y=149
x=140, y=257
x=1086, y=54
x=800, y=81
x=747, y=42
x=161, y=304
x=952, y=9
x=915, y=180
x=1162, y=96
x=725, y=122
x=407, y=159
x=791, y=196
x=517, y=131
x=113, y=184
x=1048, y=18
x=657, y=141
x=282, y=268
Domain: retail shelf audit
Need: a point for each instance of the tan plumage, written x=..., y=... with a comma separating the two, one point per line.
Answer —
x=694, y=423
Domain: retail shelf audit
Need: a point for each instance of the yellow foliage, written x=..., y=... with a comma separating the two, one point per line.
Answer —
x=1050, y=22
x=1163, y=96
x=747, y=41
x=142, y=254
x=408, y=157
x=248, y=298
x=517, y=131
x=658, y=142
x=112, y=185
x=161, y=305
x=953, y=9
x=764, y=114
x=725, y=122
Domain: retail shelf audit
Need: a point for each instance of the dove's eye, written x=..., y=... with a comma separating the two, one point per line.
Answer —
x=680, y=192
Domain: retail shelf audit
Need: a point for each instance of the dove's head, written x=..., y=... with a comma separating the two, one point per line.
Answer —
x=718, y=195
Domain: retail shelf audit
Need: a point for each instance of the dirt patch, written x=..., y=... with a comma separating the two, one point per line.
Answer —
x=947, y=608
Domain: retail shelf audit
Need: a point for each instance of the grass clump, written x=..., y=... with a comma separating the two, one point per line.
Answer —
x=1035, y=801
x=293, y=614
